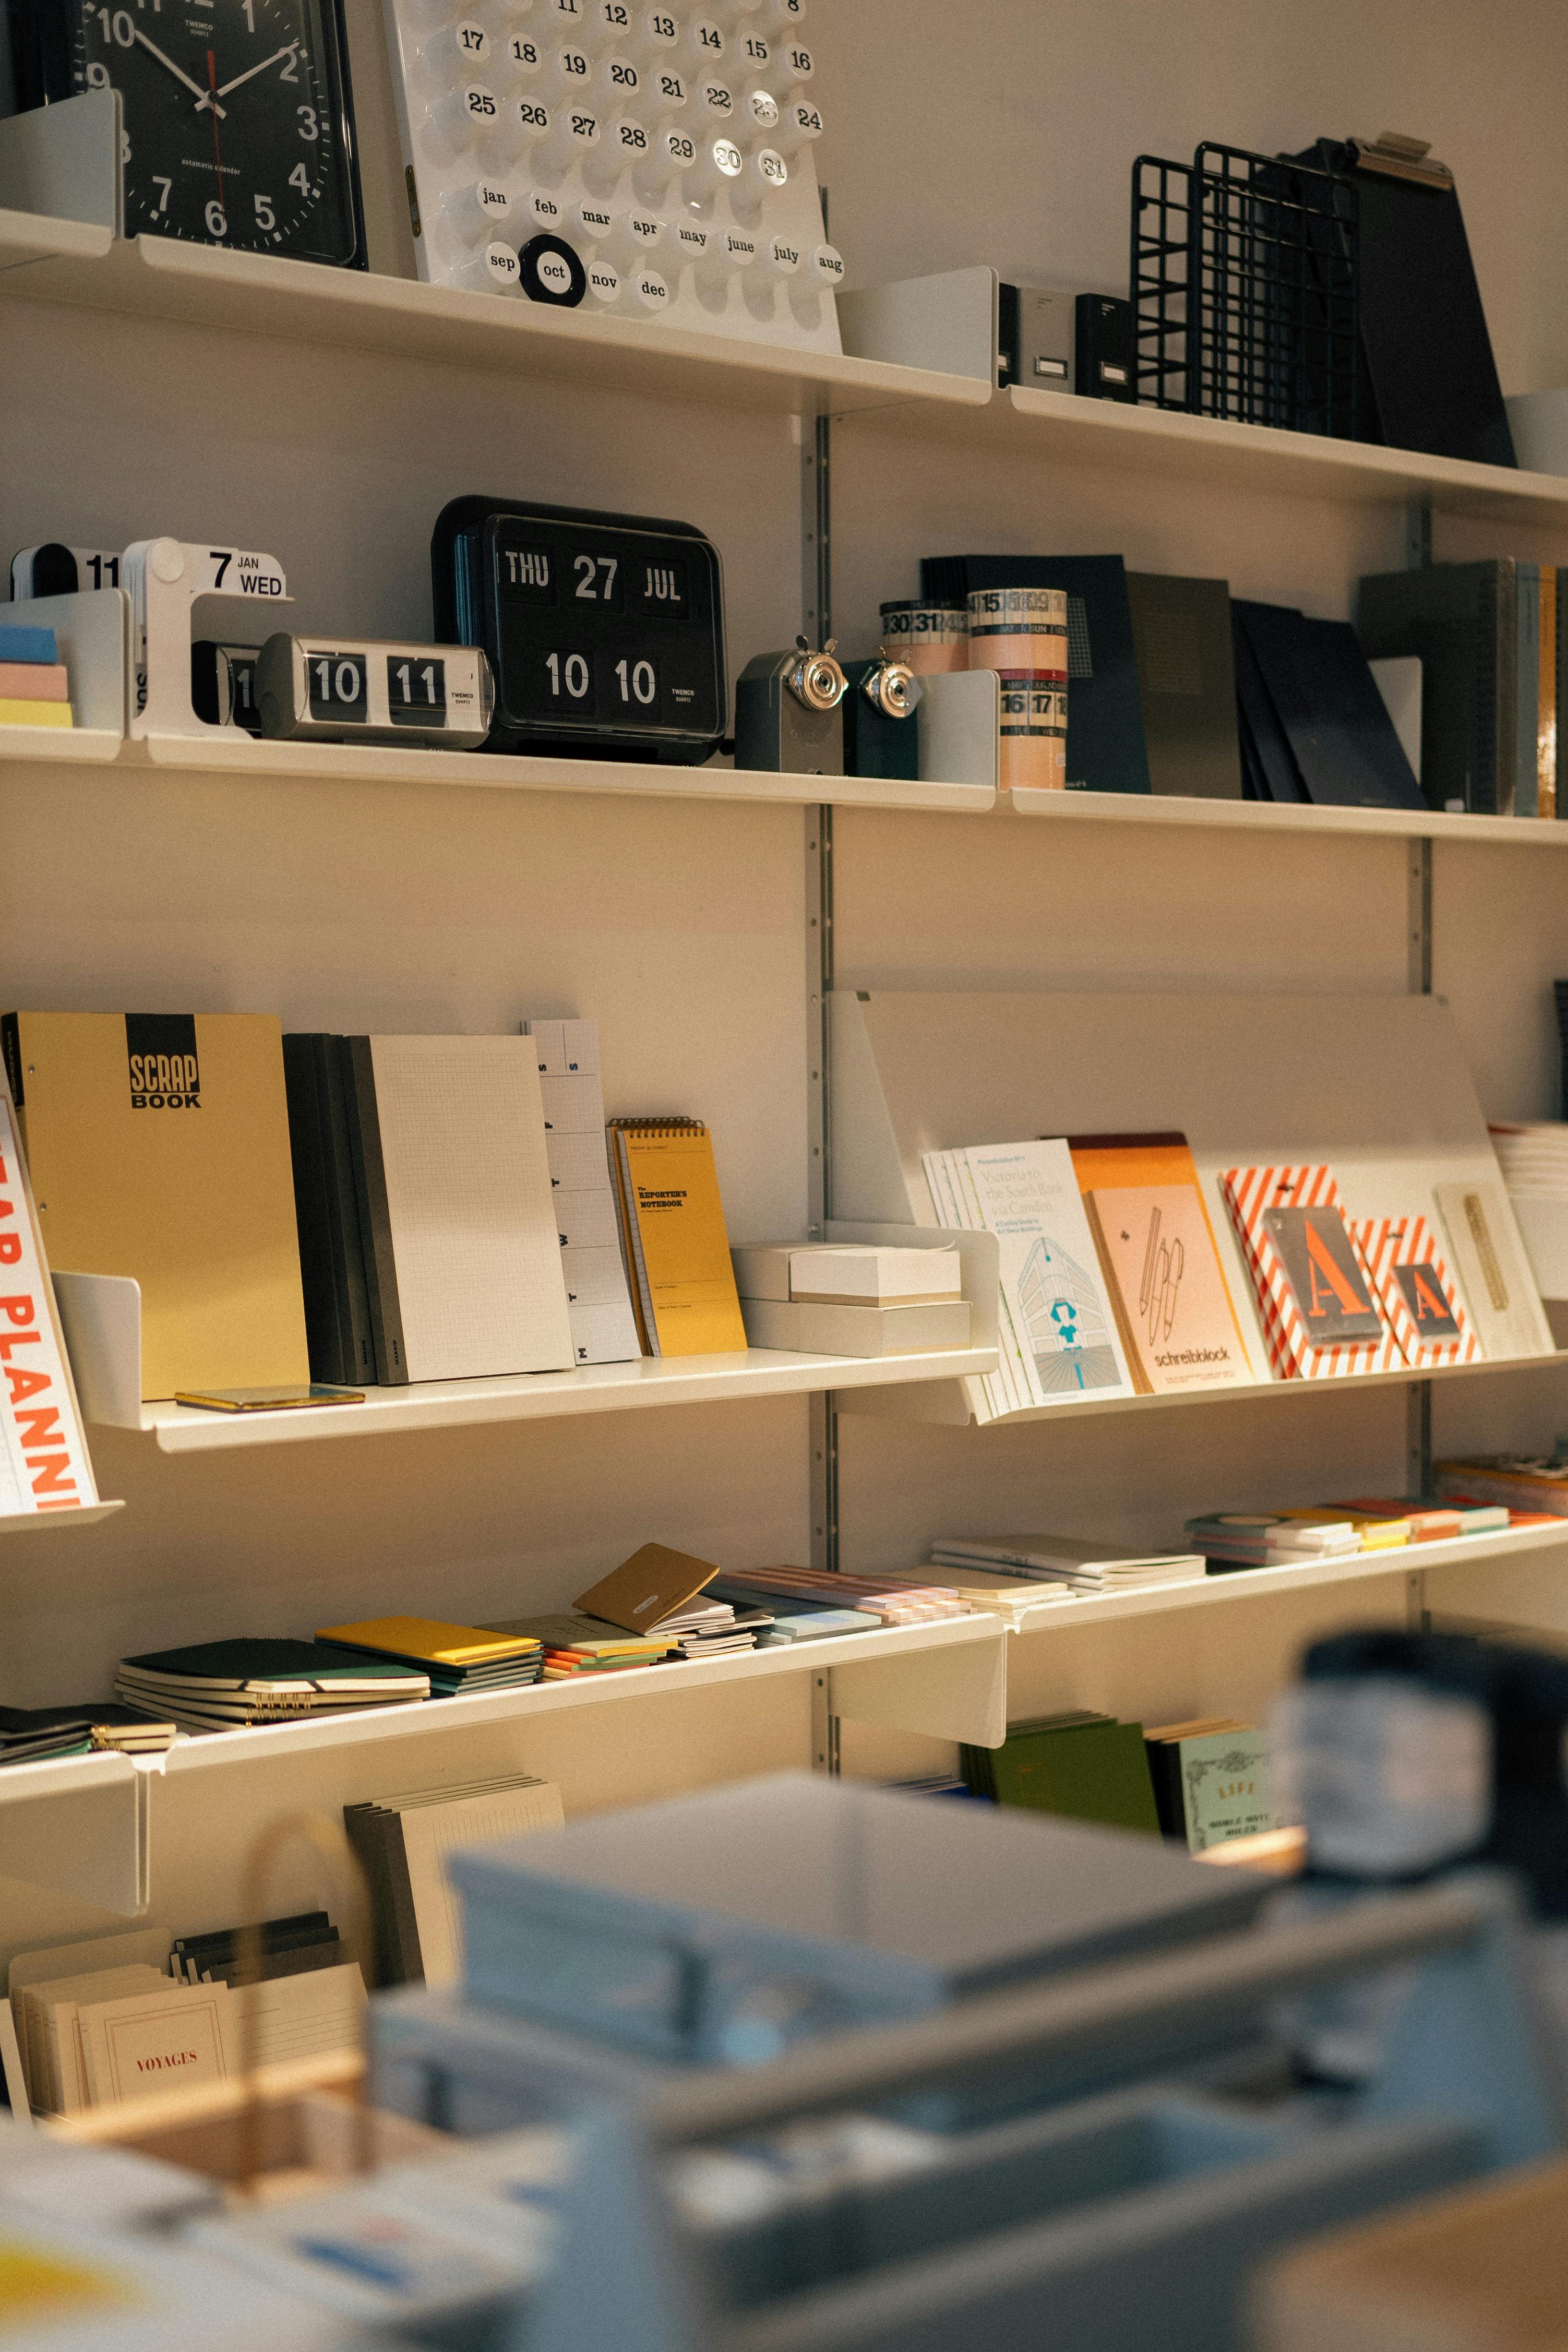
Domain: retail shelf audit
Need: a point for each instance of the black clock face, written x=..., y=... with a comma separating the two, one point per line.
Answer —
x=237, y=125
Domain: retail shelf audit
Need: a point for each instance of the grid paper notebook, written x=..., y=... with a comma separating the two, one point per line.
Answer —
x=468, y=1203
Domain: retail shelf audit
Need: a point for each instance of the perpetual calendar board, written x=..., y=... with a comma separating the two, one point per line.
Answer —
x=636, y=160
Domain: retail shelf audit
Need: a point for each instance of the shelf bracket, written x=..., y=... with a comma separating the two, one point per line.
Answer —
x=1418, y=919
x=825, y=1725
x=93, y=1844
x=1418, y=534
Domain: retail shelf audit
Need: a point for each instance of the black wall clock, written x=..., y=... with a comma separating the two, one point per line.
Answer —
x=239, y=120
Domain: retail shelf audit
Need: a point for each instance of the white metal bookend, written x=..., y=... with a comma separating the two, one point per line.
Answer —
x=165, y=577
x=1467, y=2081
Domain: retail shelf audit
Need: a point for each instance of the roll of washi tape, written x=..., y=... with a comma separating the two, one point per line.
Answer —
x=929, y=638
x=1019, y=629
x=1033, y=746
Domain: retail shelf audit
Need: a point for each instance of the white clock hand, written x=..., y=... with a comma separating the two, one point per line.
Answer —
x=178, y=72
x=223, y=88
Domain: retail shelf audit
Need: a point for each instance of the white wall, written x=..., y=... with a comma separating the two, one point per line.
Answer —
x=955, y=134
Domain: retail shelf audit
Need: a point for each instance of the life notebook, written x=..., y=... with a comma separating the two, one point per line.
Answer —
x=331, y=1242
x=1320, y=1316
x=1186, y=672
x=1130, y=1163
x=672, y=1230
x=1328, y=706
x=158, y=1143
x=462, y=1253
x=44, y=1462
x=1058, y=1338
x=1106, y=748
x=653, y=1584
x=1415, y=1291
x=1211, y=1782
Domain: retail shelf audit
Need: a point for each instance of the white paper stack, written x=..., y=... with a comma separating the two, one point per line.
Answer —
x=1067, y=1559
x=1534, y=1163
x=602, y=1328
x=705, y=1629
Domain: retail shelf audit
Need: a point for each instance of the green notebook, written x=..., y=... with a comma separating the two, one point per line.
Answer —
x=1093, y=1771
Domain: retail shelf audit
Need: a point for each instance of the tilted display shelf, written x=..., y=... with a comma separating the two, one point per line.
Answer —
x=1262, y=1583
x=102, y=1319
x=262, y=294
x=1265, y=818
x=87, y=1514
x=881, y=1405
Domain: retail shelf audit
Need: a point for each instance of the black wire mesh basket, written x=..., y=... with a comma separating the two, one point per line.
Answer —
x=1244, y=291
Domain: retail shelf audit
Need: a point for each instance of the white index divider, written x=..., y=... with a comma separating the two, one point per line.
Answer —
x=960, y=721
x=78, y=1826
x=166, y=578
x=92, y=631
x=100, y=1315
x=62, y=161
x=947, y=321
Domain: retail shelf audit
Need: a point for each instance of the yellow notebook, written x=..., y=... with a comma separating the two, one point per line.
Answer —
x=158, y=1145
x=14, y=713
x=678, y=1250
x=428, y=1639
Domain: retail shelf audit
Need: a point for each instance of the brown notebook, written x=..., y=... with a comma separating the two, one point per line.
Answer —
x=647, y=1588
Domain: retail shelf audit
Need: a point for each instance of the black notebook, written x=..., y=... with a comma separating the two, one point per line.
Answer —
x=1181, y=630
x=1105, y=748
x=1268, y=762
x=1329, y=709
x=332, y=1252
x=1429, y=356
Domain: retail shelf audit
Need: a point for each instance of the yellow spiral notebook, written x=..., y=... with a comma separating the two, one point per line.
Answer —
x=671, y=1226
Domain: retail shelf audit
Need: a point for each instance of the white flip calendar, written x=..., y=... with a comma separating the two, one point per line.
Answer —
x=635, y=161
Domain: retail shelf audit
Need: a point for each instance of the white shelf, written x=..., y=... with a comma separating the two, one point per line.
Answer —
x=259, y=294
x=95, y=745
x=30, y=238
x=339, y=763
x=1063, y=427
x=385, y=764
x=69, y=1775
x=549, y=1396
x=87, y=1514
x=1258, y=1583
x=1263, y=817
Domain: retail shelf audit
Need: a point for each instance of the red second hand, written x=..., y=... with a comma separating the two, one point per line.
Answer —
x=217, y=151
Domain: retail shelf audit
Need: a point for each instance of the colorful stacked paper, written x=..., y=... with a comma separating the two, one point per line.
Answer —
x=34, y=688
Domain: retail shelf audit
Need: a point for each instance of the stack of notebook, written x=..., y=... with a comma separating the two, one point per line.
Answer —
x=893, y=1600
x=404, y=1843
x=571, y=1643
x=34, y=688
x=802, y=1620
x=1210, y=1780
x=1312, y=723
x=1082, y=1766
x=712, y=1629
x=295, y=1946
x=221, y=1686
x=30, y=1734
x=1328, y=1531
x=457, y=1658
x=118, y=2017
x=1066, y=1560
x=1525, y=1486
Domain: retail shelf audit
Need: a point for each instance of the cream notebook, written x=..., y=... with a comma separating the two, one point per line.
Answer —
x=464, y=1253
